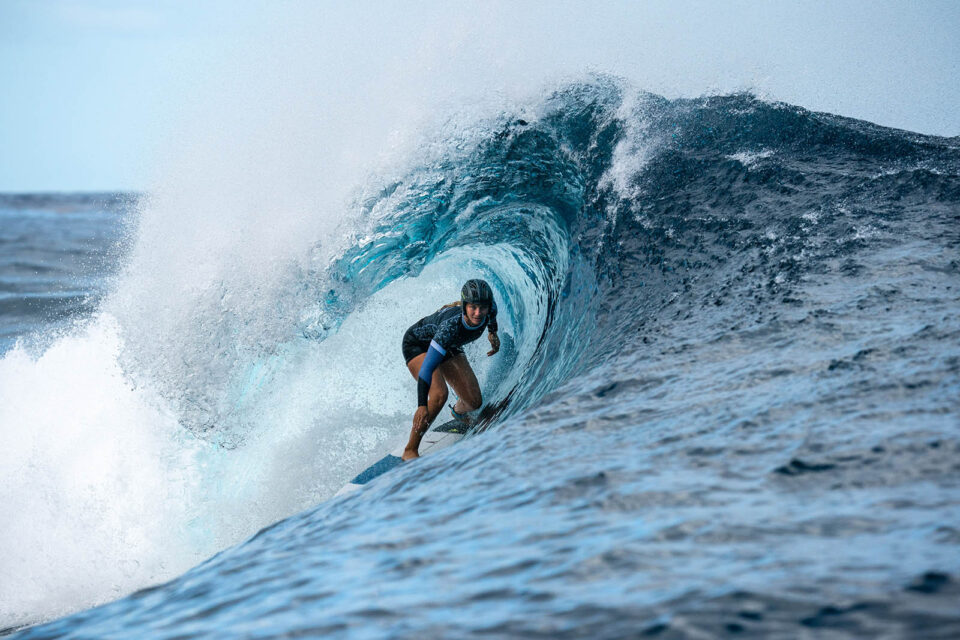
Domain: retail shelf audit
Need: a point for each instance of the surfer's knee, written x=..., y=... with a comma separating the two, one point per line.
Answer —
x=473, y=399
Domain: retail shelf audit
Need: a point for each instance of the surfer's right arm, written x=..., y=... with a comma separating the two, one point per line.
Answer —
x=431, y=361
x=422, y=418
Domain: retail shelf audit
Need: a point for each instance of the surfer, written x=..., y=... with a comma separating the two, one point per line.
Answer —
x=433, y=353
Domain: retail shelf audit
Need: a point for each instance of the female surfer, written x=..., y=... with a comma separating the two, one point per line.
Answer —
x=433, y=353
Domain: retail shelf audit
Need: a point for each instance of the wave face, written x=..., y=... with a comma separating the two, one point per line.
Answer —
x=726, y=402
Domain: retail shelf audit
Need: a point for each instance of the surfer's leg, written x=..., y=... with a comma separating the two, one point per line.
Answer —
x=435, y=400
x=460, y=375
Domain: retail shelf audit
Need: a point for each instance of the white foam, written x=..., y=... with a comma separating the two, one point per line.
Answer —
x=750, y=159
x=94, y=478
x=634, y=150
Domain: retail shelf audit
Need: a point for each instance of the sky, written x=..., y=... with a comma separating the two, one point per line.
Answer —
x=99, y=94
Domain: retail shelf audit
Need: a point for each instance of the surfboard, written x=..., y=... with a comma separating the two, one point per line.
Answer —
x=434, y=440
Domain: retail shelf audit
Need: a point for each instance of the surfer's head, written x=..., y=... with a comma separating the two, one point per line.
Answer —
x=476, y=291
x=476, y=298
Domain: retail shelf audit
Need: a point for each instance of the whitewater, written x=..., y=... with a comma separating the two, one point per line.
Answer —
x=726, y=401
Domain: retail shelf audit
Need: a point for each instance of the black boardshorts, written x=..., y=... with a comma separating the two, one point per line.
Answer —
x=412, y=347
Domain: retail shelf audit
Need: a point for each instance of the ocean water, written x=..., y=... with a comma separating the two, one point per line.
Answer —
x=58, y=252
x=727, y=402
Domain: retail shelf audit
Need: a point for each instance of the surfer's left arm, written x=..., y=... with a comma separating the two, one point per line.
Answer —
x=492, y=331
x=494, y=342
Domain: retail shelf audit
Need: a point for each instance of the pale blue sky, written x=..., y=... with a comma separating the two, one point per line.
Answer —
x=93, y=90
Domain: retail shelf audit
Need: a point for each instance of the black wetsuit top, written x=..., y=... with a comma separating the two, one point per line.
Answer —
x=441, y=336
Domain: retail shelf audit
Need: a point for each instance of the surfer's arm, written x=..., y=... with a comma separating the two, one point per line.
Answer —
x=432, y=360
x=492, y=331
x=494, y=343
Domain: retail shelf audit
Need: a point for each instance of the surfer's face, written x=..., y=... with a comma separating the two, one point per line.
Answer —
x=475, y=313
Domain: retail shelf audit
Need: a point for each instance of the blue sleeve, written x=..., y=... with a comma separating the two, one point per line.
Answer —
x=433, y=358
x=492, y=321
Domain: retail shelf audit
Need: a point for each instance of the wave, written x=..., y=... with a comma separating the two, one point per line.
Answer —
x=612, y=224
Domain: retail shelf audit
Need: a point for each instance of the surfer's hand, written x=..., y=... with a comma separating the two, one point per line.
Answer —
x=420, y=422
x=494, y=342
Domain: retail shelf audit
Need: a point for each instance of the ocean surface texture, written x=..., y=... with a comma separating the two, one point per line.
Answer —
x=727, y=402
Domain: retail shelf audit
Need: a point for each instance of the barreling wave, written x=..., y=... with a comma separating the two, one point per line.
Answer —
x=600, y=214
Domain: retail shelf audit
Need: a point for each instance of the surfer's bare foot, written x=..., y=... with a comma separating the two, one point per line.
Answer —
x=410, y=454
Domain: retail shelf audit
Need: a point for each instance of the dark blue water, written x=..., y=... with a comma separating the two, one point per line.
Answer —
x=728, y=407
